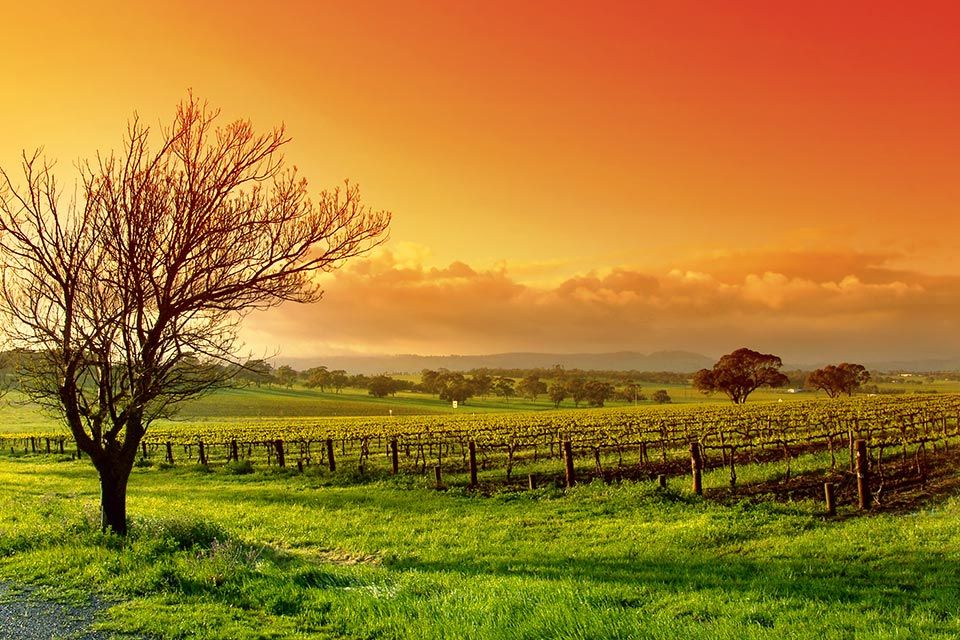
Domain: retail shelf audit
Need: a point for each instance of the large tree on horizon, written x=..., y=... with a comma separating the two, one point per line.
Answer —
x=836, y=379
x=740, y=373
x=130, y=292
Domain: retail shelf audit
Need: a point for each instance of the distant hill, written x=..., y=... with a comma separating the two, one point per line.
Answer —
x=674, y=361
x=916, y=366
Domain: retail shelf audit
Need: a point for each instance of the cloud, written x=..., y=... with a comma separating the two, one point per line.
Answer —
x=804, y=306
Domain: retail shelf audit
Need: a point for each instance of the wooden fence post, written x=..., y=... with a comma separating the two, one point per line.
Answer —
x=436, y=475
x=395, y=458
x=828, y=496
x=234, y=452
x=532, y=481
x=568, y=459
x=281, y=460
x=863, y=475
x=852, y=447
x=169, y=452
x=203, y=452
x=143, y=448
x=330, y=459
x=696, y=468
x=662, y=480
x=472, y=446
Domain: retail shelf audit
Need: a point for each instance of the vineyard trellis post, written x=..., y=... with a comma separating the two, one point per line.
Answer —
x=829, y=498
x=696, y=466
x=570, y=473
x=863, y=475
x=331, y=461
x=472, y=458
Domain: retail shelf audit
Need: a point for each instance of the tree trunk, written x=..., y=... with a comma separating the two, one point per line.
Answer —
x=113, y=501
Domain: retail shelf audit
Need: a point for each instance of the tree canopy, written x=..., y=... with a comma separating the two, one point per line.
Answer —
x=836, y=379
x=740, y=373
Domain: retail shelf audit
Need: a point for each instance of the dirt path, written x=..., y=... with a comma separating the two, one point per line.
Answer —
x=26, y=616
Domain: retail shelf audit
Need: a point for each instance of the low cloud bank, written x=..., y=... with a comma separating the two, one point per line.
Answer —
x=805, y=306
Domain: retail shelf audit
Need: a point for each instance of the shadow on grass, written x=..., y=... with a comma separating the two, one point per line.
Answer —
x=919, y=580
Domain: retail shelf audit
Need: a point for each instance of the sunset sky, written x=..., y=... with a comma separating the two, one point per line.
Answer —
x=564, y=176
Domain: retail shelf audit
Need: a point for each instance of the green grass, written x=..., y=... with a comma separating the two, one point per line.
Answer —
x=277, y=555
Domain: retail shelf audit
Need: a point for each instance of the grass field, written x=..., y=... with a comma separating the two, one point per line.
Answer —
x=277, y=554
x=272, y=555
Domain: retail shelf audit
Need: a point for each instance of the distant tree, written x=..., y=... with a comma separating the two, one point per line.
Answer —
x=740, y=373
x=285, y=376
x=531, y=387
x=630, y=393
x=339, y=379
x=558, y=393
x=482, y=384
x=503, y=387
x=255, y=372
x=382, y=386
x=557, y=373
x=576, y=388
x=842, y=378
x=459, y=391
x=430, y=380
x=597, y=392
x=318, y=378
x=660, y=396
x=358, y=381
x=446, y=381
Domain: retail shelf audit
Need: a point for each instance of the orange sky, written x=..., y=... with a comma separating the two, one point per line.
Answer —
x=565, y=176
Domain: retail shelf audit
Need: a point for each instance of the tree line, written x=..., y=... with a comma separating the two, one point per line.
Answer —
x=740, y=373
x=737, y=374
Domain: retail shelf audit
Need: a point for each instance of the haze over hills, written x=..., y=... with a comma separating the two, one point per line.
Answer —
x=673, y=361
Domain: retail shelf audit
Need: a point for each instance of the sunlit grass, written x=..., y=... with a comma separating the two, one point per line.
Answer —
x=270, y=554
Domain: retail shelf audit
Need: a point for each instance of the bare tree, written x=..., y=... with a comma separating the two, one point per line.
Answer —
x=130, y=293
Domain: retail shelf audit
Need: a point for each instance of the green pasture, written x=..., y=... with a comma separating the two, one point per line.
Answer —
x=274, y=554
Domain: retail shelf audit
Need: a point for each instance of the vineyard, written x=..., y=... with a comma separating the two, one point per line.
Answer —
x=896, y=437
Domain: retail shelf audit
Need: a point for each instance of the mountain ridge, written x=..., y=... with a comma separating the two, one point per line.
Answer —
x=673, y=361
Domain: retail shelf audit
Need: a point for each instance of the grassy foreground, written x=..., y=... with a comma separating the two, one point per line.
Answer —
x=273, y=555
